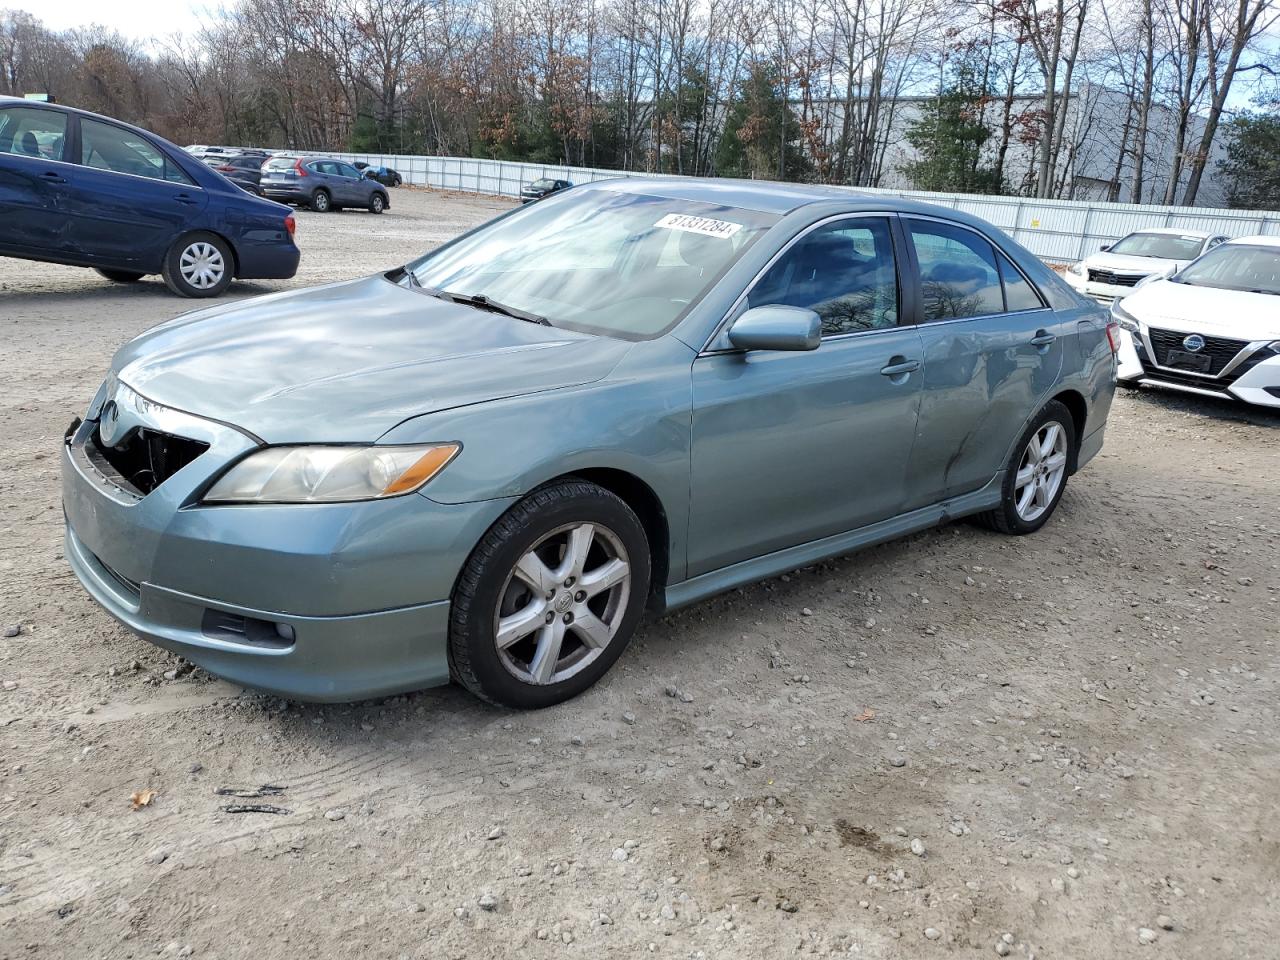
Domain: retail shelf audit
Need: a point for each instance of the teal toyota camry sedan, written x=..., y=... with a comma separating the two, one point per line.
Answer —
x=487, y=464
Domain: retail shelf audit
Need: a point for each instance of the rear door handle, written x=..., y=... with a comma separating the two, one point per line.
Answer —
x=1043, y=338
x=900, y=365
x=185, y=198
x=52, y=177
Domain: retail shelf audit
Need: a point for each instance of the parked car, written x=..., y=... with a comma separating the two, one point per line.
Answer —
x=543, y=188
x=486, y=463
x=1118, y=267
x=85, y=190
x=244, y=170
x=322, y=184
x=203, y=152
x=1213, y=328
x=384, y=175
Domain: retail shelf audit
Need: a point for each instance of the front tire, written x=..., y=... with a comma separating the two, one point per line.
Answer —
x=119, y=276
x=550, y=596
x=377, y=203
x=198, y=265
x=1036, y=474
x=320, y=201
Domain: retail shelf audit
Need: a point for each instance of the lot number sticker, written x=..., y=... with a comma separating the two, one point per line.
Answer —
x=703, y=225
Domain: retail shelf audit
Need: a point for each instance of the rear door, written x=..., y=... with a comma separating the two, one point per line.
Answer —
x=790, y=447
x=992, y=352
x=126, y=201
x=33, y=178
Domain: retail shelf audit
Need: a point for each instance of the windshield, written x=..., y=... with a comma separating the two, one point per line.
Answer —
x=1164, y=246
x=1236, y=266
x=600, y=261
x=543, y=184
x=281, y=163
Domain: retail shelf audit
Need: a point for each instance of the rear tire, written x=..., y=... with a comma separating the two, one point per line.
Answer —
x=198, y=265
x=1033, y=485
x=320, y=201
x=377, y=203
x=119, y=276
x=549, y=597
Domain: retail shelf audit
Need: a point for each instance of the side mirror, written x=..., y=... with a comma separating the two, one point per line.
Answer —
x=1105, y=247
x=775, y=327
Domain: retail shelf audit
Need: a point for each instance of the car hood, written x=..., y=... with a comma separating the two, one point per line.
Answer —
x=1121, y=263
x=349, y=361
x=1206, y=310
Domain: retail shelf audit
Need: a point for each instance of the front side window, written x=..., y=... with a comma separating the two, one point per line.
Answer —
x=105, y=146
x=608, y=262
x=958, y=274
x=844, y=271
x=32, y=132
x=348, y=171
x=1163, y=246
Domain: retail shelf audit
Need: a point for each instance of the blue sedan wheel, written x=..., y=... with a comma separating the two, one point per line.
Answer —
x=198, y=265
x=550, y=597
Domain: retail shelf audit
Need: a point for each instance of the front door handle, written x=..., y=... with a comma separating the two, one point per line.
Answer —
x=1043, y=338
x=52, y=177
x=899, y=366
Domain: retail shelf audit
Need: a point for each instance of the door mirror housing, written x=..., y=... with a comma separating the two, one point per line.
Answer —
x=776, y=327
x=1105, y=247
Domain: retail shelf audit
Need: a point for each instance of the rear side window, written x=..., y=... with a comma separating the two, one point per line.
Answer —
x=958, y=274
x=31, y=132
x=105, y=146
x=843, y=271
x=1018, y=293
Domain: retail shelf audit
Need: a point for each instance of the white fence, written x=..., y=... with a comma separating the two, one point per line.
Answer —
x=1059, y=231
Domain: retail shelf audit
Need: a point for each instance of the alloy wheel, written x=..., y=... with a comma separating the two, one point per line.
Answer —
x=563, y=603
x=202, y=265
x=1040, y=471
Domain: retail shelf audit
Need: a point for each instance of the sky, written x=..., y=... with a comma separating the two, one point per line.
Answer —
x=142, y=20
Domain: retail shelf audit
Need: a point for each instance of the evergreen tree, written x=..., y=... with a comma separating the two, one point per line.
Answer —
x=761, y=137
x=1252, y=165
x=949, y=136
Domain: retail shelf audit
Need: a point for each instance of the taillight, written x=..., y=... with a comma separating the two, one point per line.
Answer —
x=290, y=224
x=225, y=168
x=1113, y=336
x=299, y=168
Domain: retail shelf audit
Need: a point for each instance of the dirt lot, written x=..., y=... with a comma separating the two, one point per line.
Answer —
x=1067, y=742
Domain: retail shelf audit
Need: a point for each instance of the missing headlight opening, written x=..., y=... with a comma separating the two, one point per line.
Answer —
x=143, y=459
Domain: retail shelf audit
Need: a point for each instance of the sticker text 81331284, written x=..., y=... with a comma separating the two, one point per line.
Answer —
x=703, y=225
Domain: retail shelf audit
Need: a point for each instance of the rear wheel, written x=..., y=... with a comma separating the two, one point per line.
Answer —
x=119, y=276
x=377, y=203
x=320, y=201
x=198, y=265
x=550, y=596
x=1036, y=475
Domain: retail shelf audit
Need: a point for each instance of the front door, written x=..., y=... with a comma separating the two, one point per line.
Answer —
x=792, y=447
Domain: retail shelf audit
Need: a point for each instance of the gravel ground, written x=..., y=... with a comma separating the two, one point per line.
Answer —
x=958, y=745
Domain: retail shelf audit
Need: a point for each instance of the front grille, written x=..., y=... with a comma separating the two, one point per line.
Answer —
x=1219, y=350
x=1114, y=279
x=143, y=459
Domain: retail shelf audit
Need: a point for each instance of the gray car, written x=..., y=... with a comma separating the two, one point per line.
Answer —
x=321, y=184
x=485, y=465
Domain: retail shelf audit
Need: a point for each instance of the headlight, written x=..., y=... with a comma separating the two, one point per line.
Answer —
x=1077, y=269
x=314, y=474
x=1123, y=317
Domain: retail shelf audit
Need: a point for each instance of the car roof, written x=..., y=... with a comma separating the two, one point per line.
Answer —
x=769, y=196
x=1257, y=240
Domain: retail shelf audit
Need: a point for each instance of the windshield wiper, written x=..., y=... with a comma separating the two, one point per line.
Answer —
x=484, y=303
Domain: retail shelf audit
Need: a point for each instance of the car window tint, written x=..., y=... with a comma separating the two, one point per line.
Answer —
x=348, y=171
x=105, y=146
x=957, y=271
x=1018, y=293
x=843, y=271
x=31, y=132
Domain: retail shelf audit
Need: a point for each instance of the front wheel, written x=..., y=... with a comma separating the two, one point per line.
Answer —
x=377, y=203
x=550, y=596
x=198, y=265
x=1036, y=474
x=119, y=276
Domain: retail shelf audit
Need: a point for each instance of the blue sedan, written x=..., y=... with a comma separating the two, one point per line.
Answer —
x=484, y=465
x=88, y=191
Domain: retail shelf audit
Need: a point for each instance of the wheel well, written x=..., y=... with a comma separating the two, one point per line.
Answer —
x=639, y=496
x=1079, y=410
